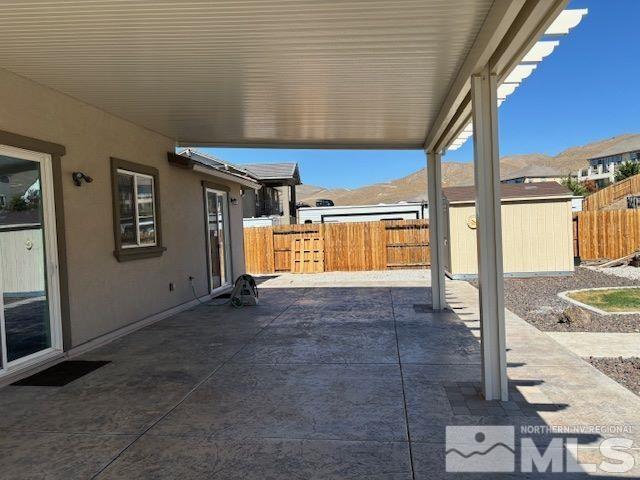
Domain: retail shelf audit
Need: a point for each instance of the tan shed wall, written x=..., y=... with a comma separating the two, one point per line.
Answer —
x=536, y=237
x=105, y=294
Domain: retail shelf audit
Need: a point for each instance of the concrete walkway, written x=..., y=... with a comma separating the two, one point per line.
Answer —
x=599, y=344
x=347, y=382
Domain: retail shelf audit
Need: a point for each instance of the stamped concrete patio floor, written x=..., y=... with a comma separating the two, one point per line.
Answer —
x=330, y=377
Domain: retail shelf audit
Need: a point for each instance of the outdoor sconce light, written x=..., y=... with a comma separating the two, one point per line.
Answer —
x=234, y=201
x=78, y=177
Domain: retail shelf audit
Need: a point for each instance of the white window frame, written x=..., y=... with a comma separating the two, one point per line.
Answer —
x=136, y=216
x=51, y=263
x=226, y=222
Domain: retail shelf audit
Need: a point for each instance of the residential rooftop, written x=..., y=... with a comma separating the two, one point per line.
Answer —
x=626, y=143
x=282, y=173
x=275, y=171
x=536, y=171
x=215, y=164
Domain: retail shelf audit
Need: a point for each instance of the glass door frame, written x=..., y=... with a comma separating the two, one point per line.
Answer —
x=228, y=269
x=51, y=266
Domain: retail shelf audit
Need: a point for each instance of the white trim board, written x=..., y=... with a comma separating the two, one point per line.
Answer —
x=565, y=296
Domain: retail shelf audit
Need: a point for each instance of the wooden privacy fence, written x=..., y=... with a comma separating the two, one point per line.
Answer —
x=612, y=193
x=607, y=234
x=346, y=246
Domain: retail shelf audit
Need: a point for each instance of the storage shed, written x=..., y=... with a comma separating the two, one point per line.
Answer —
x=537, y=230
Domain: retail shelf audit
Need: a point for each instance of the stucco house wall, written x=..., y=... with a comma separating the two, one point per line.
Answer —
x=104, y=294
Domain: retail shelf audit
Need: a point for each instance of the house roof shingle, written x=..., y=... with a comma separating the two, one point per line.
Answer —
x=215, y=164
x=510, y=191
x=536, y=171
x=274, y=171
x=630, y=143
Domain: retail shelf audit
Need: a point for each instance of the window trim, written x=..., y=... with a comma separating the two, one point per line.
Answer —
x=135, y=252
x=136, y=206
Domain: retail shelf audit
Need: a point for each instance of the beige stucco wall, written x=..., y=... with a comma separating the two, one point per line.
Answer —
x=537, y=237
x=105, y=294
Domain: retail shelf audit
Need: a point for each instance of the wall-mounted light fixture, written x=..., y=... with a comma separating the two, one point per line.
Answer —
x=234, y=201
x=79, y=177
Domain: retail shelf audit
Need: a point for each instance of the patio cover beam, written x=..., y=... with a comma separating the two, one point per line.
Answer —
x=436, y=229
x=473, y=96
x=500, y=18
x=489, y=233
x=518, y=32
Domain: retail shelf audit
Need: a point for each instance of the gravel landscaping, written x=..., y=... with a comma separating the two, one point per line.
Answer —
x=625, y=371
x=632, y=273
x=536, y=301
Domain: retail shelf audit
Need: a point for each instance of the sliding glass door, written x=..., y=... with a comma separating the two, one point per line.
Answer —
x=218, y=248
x=29, y=295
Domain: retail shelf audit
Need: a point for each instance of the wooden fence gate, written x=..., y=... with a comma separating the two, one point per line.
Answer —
x=346, y=246
x=307, y=255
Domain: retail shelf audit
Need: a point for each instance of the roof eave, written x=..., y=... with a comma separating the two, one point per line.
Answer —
x=271, y=181
x=188, y=163
x=245, y=182
x=564, y=175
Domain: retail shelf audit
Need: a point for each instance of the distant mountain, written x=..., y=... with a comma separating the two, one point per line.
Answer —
x=414, y=187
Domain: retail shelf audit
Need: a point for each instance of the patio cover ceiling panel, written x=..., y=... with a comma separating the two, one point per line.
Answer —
x=367, y=73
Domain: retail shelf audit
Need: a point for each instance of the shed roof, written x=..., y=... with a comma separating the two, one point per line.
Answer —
x=528, y=191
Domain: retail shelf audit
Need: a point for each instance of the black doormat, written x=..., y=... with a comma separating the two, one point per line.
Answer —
x=223, y=295
x=61, y=374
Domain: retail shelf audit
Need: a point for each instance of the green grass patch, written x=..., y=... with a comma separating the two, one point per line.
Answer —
x=611, y=300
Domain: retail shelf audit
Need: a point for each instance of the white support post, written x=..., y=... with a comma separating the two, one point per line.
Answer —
x=489, y=232
x=436, y=229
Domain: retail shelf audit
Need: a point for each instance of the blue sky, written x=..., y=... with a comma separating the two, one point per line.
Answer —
x=586, y=90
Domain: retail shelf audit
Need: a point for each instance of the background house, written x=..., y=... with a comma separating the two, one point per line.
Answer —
x=602, y=169
x=273, y=201
x=277, y=197
x=535, y=174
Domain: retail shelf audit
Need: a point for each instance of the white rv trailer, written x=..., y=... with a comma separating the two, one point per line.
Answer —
x=363, y=213
x=270, y=221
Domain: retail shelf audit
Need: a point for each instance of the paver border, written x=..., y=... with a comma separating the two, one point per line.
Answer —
x=565, y=296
